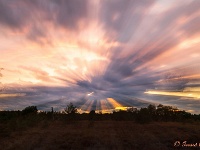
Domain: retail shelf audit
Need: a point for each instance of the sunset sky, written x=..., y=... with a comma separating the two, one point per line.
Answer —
x=99, y=54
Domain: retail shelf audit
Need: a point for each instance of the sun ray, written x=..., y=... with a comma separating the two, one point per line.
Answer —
x=188, y=94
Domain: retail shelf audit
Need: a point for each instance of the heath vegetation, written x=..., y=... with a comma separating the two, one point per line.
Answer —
x=153, y=127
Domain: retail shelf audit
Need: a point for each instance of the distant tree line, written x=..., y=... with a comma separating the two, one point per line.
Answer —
x=142, y=115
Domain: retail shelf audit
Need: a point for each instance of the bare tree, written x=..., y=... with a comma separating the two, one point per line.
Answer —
x=70, y=109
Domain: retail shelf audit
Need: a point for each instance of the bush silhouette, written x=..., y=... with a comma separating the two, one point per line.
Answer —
x=29, y=110
x=143, y=116
x=70, y=109
x=92, y=112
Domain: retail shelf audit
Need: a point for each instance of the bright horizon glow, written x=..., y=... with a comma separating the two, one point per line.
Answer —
x=181, y=94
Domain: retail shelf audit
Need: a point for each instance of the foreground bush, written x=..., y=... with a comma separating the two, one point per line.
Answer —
x=29, y=110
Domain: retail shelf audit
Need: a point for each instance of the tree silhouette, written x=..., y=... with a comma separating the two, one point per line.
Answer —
x=131, y=109
x=70, y=109
x=143, y=116
x=29, y=110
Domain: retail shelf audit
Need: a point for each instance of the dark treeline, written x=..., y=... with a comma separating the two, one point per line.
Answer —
x=143, y=115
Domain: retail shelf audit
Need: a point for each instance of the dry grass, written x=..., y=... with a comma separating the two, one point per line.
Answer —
x=99, y=135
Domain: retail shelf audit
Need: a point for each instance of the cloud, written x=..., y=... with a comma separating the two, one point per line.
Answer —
x=63, y=50
x=12, y=95
x=69, y=13
x=123, y=18
x=10, y=16
x=191, y=29
x=16, y=15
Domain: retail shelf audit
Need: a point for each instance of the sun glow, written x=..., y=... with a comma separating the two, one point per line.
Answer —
x=171, y=93
x=121, y=108
x=12, y=95
x=189, y=43
x=114, y=103
x=89, y=94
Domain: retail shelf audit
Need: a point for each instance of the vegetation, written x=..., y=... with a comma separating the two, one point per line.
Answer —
x=29, y=110
x=144, y=115
x=153, y=127
x=71, y=109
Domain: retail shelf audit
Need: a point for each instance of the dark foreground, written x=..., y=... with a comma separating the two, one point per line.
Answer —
x=53, y=135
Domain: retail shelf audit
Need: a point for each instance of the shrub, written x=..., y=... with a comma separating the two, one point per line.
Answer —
x=29, y=110
x=70, y=109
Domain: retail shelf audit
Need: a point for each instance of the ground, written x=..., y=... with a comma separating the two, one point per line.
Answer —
x=51, y=135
